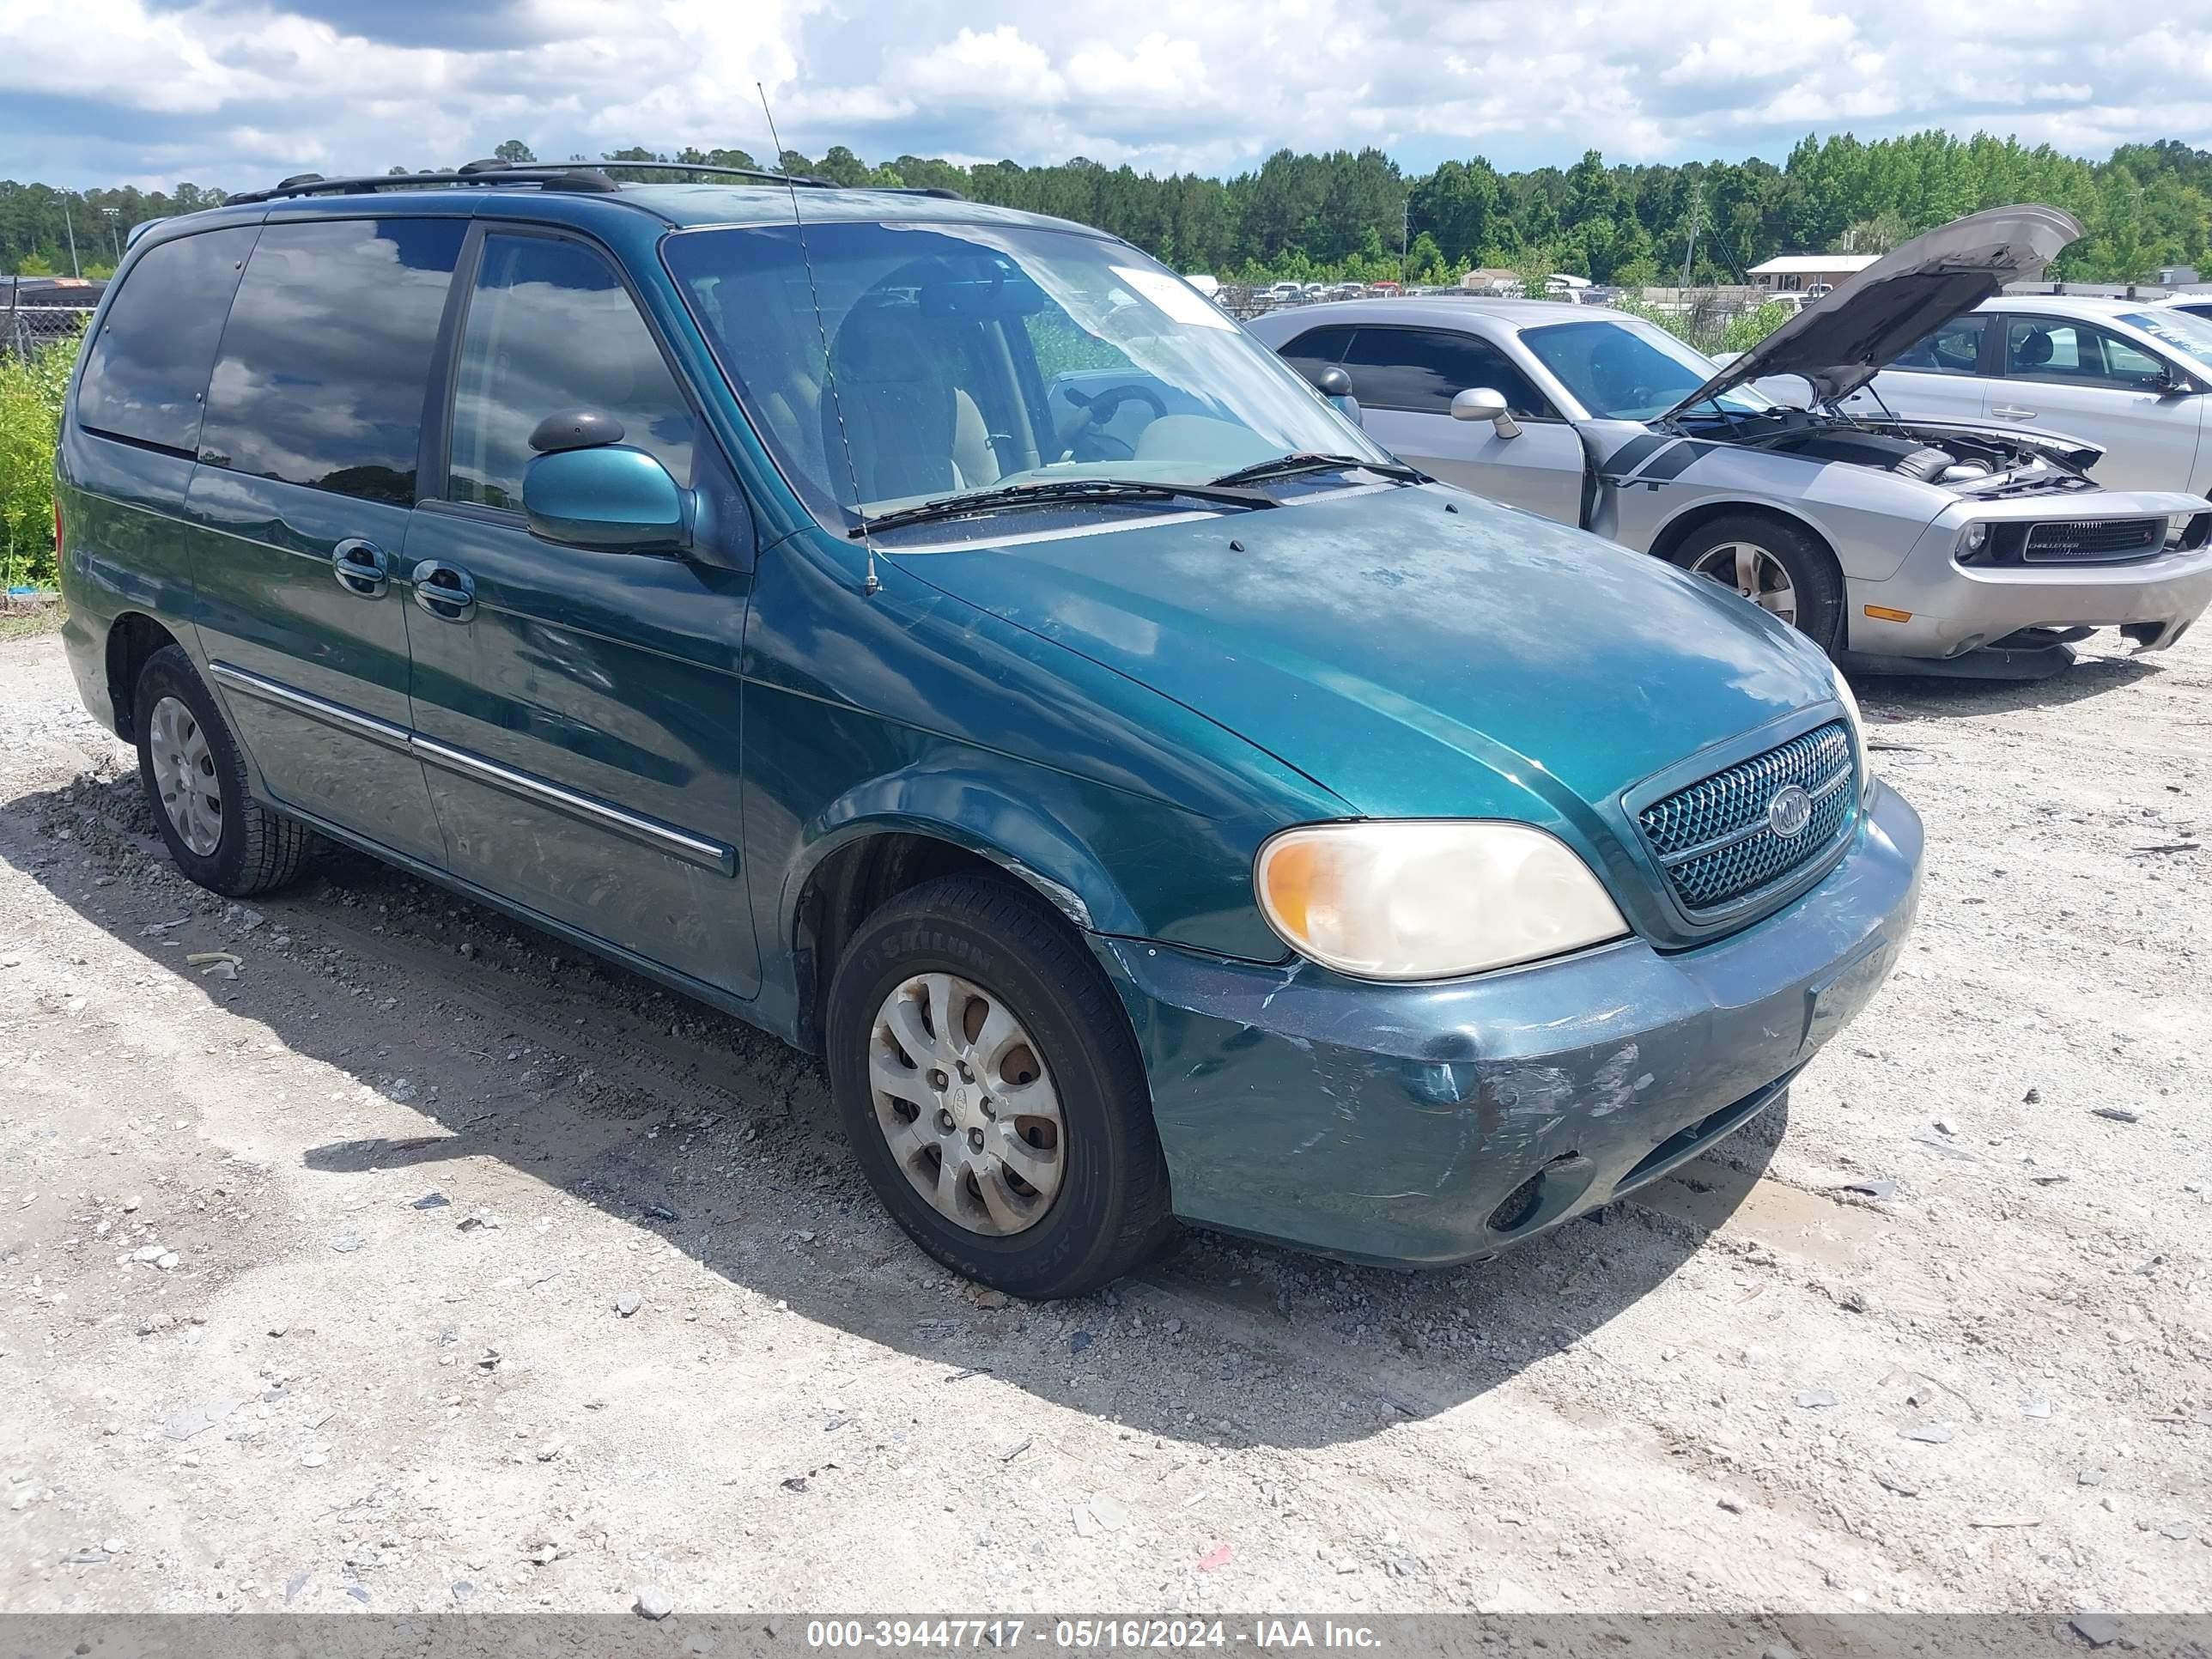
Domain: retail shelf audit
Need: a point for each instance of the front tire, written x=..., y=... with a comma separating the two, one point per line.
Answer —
x=989, y=1083
x=194, y=780
x=1782, y=569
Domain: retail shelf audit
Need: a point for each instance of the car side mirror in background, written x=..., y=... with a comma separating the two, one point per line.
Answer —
x=609, y=496
x=1480, y=402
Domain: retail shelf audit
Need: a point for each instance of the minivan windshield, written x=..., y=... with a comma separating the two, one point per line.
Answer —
x=966, y=357
x=1622, y=370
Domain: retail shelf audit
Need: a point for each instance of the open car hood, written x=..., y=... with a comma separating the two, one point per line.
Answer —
x=1842, y=341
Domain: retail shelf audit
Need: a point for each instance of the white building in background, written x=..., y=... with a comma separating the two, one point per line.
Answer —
x=1800, y=273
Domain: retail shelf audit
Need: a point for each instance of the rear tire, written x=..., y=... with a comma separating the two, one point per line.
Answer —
x=194, y=780
x=1787, y=564
x=1084, y=1197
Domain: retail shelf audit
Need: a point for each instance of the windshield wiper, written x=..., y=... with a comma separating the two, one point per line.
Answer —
x=1306, y=461
x=1059, y=492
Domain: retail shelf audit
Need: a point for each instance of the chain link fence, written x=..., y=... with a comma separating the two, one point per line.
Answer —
x=25, y=329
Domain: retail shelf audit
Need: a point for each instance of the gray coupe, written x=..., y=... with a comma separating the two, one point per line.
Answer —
x=1913, y=545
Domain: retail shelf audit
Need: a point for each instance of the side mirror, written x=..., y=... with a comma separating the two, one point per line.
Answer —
x=1480, y=402
x=608, y=497
x=1330, y=381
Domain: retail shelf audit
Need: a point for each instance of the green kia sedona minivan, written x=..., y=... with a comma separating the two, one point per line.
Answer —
x=939, y=635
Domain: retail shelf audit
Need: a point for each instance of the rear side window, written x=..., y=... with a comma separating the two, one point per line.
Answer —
x=1421, y=370
x=146, y=372
x=551, y=328
x=1954, y=349
x=326, y=364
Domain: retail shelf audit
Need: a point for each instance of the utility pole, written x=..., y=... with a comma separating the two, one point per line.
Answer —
x=114, y=236
x=1696, y=208
x=69, y=224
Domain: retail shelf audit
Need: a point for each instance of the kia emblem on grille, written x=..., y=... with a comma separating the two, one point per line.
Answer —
x=1789, y=811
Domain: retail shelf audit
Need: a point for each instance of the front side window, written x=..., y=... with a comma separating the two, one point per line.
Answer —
x=948, y=357
x=1954, y=349
x=1626, y=370
x=146, y=371
x=1421, y=370
x=550, y=329
x=2063, y=353
x=1317, y=348
x=325, y=365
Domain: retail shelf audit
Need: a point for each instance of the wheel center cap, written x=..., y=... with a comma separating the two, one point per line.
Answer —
x=959, y=1097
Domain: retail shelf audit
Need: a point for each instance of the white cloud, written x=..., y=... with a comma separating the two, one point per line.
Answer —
x=227, y=91
x=997, y=68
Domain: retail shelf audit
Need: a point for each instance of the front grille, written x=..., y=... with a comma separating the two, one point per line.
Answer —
x=2070, y=541
x=1714, y=838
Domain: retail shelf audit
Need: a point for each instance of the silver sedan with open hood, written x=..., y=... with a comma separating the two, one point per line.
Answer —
x=1912, y=545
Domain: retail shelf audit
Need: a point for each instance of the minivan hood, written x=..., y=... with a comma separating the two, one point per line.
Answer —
x=1842, y=340
x=1415, y=650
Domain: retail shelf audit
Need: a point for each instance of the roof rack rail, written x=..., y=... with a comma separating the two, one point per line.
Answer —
x=588, y=176
x=767, y=174
x=564, y=176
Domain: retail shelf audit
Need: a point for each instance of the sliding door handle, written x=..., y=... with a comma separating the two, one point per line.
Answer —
x=360, y=568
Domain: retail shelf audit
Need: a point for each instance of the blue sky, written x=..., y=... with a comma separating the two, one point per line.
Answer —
x=231, y=94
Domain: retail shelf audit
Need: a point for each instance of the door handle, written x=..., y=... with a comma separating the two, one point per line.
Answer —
x=360, y=568
x=446, y=591
x=2011, y=412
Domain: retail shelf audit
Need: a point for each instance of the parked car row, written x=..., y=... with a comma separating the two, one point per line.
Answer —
x=940, y=636
x=1913, y=517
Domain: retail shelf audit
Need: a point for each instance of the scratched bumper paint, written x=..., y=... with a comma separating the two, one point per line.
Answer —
x=1386, y=1122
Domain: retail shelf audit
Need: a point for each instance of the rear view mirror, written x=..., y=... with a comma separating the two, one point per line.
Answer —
x=1481, y=403
x=609, y=497
x=1334, y=384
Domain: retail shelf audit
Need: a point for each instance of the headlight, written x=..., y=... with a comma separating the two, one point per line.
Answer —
x=1971, y=540
x=1856, y=721
x=1430, y=900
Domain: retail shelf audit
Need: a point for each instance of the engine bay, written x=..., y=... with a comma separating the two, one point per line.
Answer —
x=1978, y=461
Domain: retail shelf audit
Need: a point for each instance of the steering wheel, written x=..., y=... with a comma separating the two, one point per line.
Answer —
x=1085, y=437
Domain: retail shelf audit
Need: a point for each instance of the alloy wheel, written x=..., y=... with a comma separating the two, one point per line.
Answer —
x=963, y=1097
x=1754, y=573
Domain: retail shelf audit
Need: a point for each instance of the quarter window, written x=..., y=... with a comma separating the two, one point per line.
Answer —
x=325, y=362
x=551, y=328
x=1421, y=371
x=146, y=371
x=1954, y=349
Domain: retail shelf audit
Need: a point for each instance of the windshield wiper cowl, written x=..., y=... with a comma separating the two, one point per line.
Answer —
x=1307, y=461
x=1061, y=492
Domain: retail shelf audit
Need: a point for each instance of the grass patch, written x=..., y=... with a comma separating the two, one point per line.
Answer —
x=29, y=624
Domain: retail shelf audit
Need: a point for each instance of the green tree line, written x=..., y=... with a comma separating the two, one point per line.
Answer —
x=1349, y=214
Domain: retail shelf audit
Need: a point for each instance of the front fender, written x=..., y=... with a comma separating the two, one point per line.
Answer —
x=970, y=810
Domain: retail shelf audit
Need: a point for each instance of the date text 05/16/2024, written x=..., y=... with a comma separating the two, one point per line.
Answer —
x=1088, y=1635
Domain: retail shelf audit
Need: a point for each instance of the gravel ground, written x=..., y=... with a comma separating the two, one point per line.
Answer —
x=483, y=1275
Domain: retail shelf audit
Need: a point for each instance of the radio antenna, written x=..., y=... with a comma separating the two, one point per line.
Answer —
x=871, y=587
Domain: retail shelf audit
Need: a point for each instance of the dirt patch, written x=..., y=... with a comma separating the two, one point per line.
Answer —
x=424, y=1264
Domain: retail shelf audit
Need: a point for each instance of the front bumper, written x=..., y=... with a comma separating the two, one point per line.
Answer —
x=1391, y=1122
x=1956, y=608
